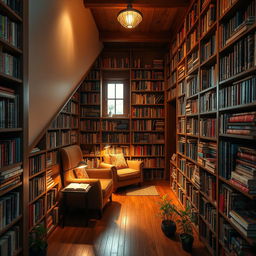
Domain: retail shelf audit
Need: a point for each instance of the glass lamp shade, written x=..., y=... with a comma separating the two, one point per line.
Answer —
x=129, y=17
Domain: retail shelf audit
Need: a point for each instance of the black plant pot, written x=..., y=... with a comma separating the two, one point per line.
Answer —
x=187, y=242
x=168, y=227
x=36, y=252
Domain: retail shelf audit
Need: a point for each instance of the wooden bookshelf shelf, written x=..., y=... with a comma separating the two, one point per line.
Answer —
x=5, y=130
x=10, y=78
x=10, y=225
x=9, y=12
x=37, y=174
x=11, y=48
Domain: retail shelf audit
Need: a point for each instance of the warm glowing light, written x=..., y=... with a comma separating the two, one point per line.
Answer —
x=129, y=17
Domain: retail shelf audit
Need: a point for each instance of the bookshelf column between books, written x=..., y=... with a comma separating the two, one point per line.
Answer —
x=212, y=67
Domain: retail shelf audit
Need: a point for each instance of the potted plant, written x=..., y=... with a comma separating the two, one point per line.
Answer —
x=167, y=209
x=37, y=241
x=185, y=222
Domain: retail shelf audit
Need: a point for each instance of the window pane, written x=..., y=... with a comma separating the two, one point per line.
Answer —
x=111, y=107
x=119, y=91
x=111, y=91
x=119, y=107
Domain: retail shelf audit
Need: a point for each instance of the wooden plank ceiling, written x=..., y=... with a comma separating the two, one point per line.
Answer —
x=160, y=19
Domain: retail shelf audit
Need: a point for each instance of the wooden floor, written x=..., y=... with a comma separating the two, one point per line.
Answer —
x=130, y=226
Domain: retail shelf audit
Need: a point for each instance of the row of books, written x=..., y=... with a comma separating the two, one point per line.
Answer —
x=9, y=208
x=148, y=150
x=36, y=187
x=207, y=155
x=146, y=74
x=192, y=194
x=238, y=23
x=49, y=180
x=207, y=235
x=147, y=85
x=36, y=164
x=181, y=179
x=115, y=138
x=192, y=60
x=192, y=106
x=225, y=5
x=208, y=19
x=10, y=151
x=51, y=198
x=181, y=87
x=208, y=185
x=90, y=125
x=71, y=107
x=181, y=145
x=208, y=212
x=241, y=57
x=8, y=108
x=52, y=158
x=113, y=62
x=171, y=94
x=209, y=77
x=93, y=75
x=181, y=125
x=90, y=111
x=115, y=125
x=89, y=138
x=9, y=64
x=147, y=98
x=148, y=125
x=90, y=86
x=192, y=16
x=148, y=137
x=208, y=127
x=181, y=71
x=180, y=54
x=64, y=121
x=192, y=126
x=181, y=106
x=208, y=101
x=181, y=163
x=90, y=98
x=9, y=31
x=192, y=85
x=56, y=139
x=10, y=241
x=148, y=112
x=151, y=162
x=208, y=48
x=192, y=39
x=10, y=177
x=36, y=212
x=239, y=93
x=240, y=123
x=52, y=219
x=156, y=63
x=191, y=148
x=92, y=162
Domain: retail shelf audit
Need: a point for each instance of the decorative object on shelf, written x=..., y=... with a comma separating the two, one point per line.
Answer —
x=185, y=223
x=129, y=17
x=38, y=242
x=167, y=210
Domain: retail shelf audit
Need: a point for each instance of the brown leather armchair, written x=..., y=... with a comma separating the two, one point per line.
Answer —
x=127, y=176
x=100, y=179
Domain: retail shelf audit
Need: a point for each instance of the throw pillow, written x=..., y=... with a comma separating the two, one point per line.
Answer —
x=107, y=159
x=81, y=173
x=118, y=161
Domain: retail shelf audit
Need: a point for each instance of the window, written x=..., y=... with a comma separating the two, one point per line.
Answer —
x=115, y=98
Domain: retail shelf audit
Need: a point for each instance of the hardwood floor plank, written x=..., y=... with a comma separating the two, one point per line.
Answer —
x=130, y=226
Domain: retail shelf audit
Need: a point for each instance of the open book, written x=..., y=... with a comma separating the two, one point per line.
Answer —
x=77, y=187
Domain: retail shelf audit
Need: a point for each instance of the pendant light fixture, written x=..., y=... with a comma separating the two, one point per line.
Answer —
x=129, y=17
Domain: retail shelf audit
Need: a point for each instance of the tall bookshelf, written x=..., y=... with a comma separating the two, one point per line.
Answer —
x=13, y=126
x=44, y=166
x=142, y=136
x=212, y=67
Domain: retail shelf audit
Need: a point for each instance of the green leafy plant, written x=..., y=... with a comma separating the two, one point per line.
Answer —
x=185, y=221
x=37, y=239
x=167, y=208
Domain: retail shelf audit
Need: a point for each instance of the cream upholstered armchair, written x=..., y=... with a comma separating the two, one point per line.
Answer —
x=125, y=173
x=100, y=179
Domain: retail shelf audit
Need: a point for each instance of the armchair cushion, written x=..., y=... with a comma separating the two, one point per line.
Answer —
x=127, y=174
x=118, y=161
x=100, y=173
x=106, y=186
x=81, y=173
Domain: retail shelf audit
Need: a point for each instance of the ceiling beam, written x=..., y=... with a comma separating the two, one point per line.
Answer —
x=137, y=3
x=131, y=36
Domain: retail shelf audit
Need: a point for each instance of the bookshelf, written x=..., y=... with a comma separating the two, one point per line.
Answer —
x=214, y=99
x=44, y=166
x=13, y=126
x=139, y=133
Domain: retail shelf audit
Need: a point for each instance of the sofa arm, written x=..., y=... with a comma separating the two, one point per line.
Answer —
x=99, y=173
x=108, y=166
x=135, y=164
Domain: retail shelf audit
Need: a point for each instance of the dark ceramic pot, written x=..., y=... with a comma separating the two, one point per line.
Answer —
x=187, y=242
x=35, y=252
x=168, y=227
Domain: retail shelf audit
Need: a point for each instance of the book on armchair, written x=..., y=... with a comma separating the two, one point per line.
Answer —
x=77, y=187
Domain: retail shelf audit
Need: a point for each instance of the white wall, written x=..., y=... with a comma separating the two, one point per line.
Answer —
x=63, y=43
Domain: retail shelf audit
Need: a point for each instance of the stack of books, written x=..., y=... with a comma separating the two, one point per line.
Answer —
x=158, y=64
x=244, y=221
x=207, y=152
x=241, y=124
x=10, y=177
x=244, y=175
x=49, y=180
